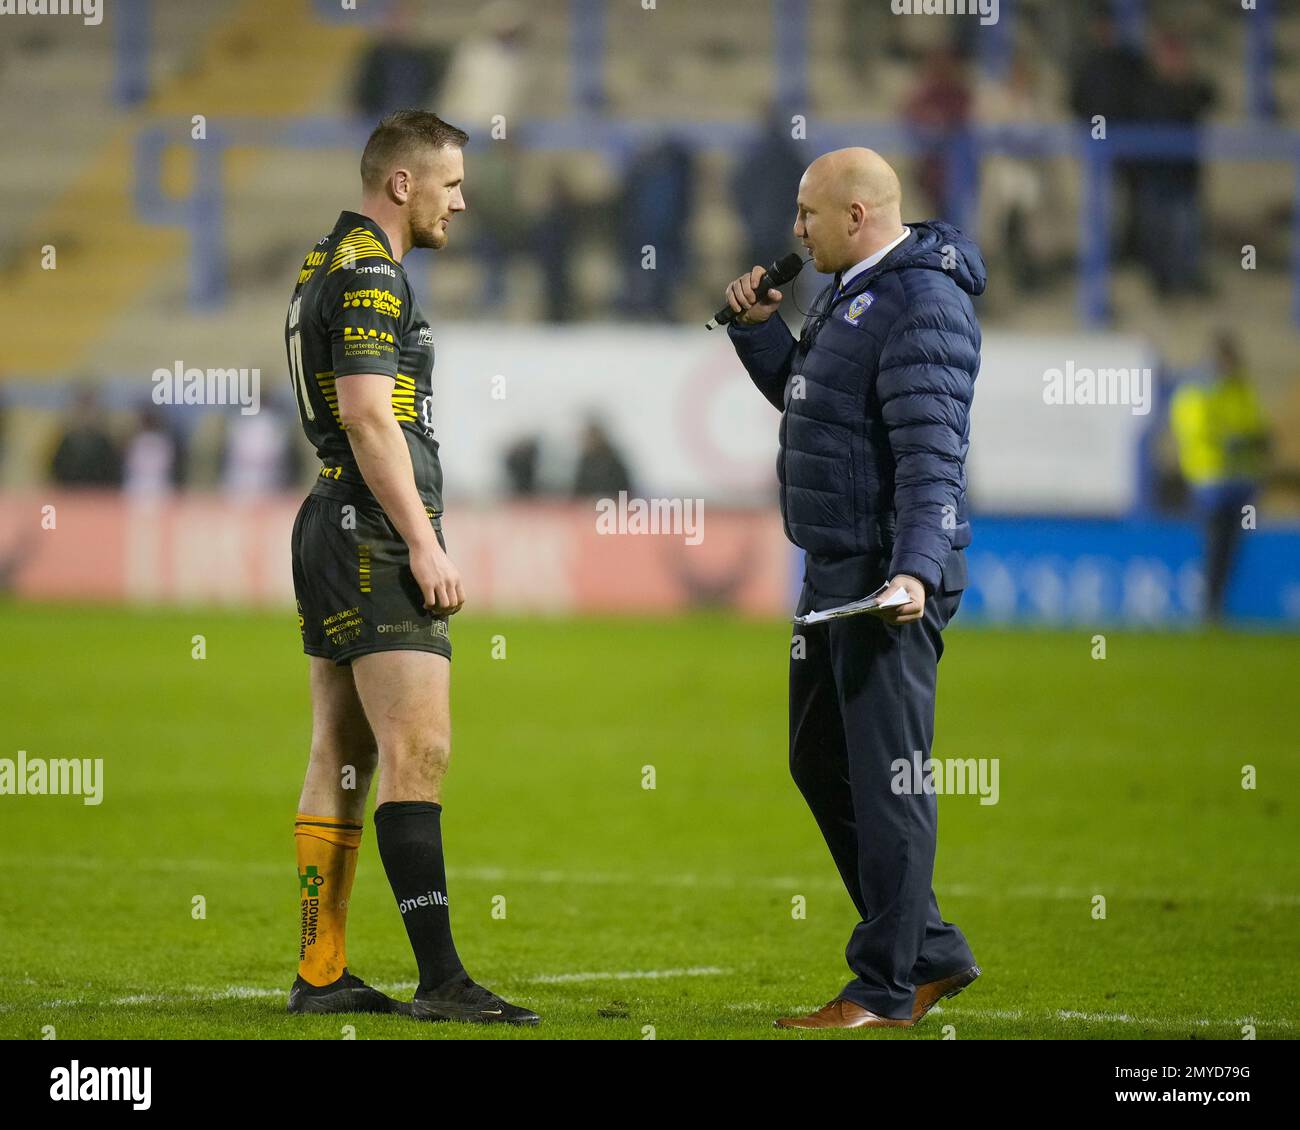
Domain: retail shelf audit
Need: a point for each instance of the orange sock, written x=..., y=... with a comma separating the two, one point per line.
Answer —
x=327, y=861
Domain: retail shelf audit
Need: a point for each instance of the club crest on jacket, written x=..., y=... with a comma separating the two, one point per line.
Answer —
x=858, y=306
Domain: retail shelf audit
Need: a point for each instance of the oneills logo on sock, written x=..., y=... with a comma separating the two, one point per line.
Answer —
x=432, y=898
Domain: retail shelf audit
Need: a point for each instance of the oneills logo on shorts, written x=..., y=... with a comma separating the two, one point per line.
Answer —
x=407, y=627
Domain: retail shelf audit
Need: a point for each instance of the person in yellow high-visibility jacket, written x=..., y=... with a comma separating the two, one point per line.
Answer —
x=1222, y=442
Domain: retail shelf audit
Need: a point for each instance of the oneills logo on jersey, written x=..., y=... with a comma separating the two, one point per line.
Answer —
x=360, y=244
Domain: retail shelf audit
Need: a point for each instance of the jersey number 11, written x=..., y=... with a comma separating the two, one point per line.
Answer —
x=295, y=358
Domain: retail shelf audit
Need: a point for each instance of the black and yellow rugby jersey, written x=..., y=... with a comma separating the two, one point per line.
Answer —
x=353, y=312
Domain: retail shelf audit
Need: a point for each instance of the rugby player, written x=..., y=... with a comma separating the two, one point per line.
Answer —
x=374, y=584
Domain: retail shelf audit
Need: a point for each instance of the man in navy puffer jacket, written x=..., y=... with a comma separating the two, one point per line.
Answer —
x=875, y=399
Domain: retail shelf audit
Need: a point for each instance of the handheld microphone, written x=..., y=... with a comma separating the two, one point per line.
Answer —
x=778, y=274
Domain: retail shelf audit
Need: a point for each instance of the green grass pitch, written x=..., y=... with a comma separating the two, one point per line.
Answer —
x=630, y=909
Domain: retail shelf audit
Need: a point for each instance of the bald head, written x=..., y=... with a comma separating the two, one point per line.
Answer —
x=849, y=207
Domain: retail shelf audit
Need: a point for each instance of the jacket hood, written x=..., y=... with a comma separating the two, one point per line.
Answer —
x=941, y=247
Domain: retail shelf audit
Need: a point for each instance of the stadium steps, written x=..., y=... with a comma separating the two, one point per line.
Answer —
x=52, y=71
x=108, y=259
x=50, y=74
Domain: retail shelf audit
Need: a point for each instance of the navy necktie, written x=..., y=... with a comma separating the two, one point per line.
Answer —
x=835, y=294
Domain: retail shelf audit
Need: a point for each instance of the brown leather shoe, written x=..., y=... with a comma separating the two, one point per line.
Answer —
x=840, y=1013
x=932, y=992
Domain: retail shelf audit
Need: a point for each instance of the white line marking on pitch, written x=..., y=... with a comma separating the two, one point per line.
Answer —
x=1108, y=1017
x=251, y=992
x=630, y=975
x=1037, y=893
x=960, y=1012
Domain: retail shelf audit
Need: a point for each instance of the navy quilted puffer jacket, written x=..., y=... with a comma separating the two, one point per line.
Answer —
x=875, y=401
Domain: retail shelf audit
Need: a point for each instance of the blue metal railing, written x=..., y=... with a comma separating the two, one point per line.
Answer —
x=132, y=40
x=1260, y=58
x=790, y=52
x=587, y=55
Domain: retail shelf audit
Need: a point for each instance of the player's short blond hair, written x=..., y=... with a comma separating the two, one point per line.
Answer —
x=401, y=136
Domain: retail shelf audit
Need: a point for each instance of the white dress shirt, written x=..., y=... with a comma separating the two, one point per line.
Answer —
x=871, y=260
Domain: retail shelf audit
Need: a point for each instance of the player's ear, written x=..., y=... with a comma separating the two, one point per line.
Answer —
x=399, y=185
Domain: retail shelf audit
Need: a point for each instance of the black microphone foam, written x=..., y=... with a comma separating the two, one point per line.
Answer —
x=778, y=274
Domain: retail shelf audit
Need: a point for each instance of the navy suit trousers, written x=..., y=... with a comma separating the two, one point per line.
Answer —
x=862, y=696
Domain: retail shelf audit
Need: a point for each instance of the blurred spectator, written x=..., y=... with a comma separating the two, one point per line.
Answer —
x=397, y=71
x=1110, y=80
x=764, y=186
x=870, y=33
x=487, y=72
x=86, y=455
x=555, y=242
x=260, y=456
x=498, y=225
x=601, y=472
x=1169, y=188
x=658, y=200
x=152, y=465
x=938, y=110
x=1222, y=440
x=521, y=462
x=1013, y=185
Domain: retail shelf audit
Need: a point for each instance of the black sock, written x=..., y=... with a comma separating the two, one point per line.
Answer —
x=409, y=834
